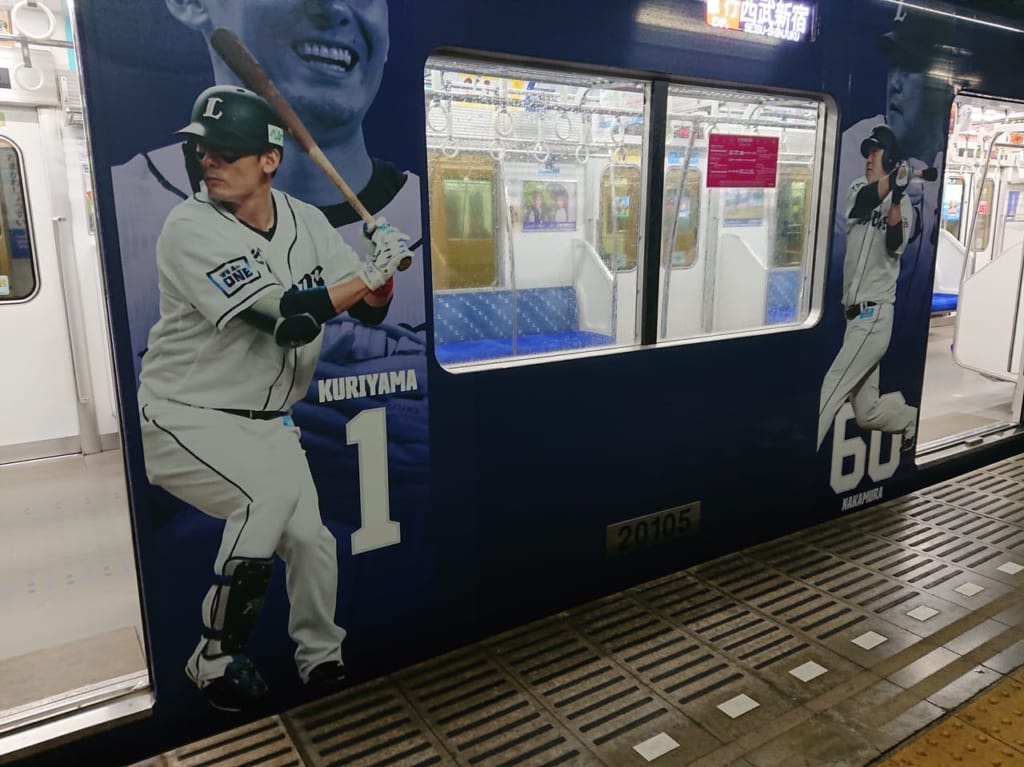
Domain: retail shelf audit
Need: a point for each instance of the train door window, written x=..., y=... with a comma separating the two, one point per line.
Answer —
x=762, y=161
x=17, y=261
x=983, y=227
x=952, y=205
x=791, y=213
x=684, y=199
x=536, y=204
x=619, y=216
x=462, y=248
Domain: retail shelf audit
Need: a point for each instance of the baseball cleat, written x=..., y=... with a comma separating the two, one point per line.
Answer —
x=908, y=443
x=240, y=689
x=326, y=677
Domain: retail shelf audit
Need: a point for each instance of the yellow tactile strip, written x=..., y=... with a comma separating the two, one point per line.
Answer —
x=987, y=732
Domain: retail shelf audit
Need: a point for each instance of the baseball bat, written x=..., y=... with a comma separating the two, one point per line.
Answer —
x=241, y=61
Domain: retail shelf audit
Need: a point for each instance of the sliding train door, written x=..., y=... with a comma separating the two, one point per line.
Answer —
x=39, y=396
x=973, y=385
x=72, y=652
x=46, y=402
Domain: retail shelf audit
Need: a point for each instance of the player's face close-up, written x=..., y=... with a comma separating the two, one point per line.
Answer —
x=232, y=177
x=325, y=56
x=873, y=170
x=904, y=105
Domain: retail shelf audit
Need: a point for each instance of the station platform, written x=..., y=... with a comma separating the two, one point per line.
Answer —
x=891, y=636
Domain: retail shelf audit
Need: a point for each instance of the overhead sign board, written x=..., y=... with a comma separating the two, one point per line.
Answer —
x=780, y=19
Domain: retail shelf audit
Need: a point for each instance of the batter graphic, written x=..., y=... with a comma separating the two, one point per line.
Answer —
x=247, y=276
x=879, y=218
x=916, y=100
x=331, y=94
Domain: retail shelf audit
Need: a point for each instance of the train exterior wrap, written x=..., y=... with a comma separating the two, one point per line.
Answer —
x=466, y=500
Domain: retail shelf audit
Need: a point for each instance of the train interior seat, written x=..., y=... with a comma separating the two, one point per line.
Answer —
x=944, y=302
x=783, y=295
x=949, y=261
x=472, y=325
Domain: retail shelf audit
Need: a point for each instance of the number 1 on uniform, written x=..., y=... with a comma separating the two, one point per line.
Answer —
x=369, y=432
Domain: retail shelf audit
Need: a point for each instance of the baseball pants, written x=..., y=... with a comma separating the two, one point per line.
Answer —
x=854, y=375
x=252, y=474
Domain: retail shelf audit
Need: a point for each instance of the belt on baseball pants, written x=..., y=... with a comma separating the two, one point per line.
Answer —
x=855, y=309
x=256, y=415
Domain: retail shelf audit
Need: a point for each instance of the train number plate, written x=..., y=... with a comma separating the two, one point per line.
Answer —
x=652, y=529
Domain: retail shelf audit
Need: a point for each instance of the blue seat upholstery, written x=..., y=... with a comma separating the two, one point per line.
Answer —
x=477, y=324
x=783, y=295
x=944, y=302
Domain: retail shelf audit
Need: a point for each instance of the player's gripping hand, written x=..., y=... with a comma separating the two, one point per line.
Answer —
x=899, y=180
x=386, y=247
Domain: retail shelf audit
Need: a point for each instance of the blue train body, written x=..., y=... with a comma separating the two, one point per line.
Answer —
x=505, y=479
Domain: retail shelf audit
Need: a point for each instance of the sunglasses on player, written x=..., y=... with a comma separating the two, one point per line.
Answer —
x=224, y=155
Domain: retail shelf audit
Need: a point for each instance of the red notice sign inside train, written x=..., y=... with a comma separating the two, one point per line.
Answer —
x=746, y=162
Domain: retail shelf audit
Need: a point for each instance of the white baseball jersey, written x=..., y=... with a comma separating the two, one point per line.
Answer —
x=210, y=268
x=870, y=269
x=851, y=165
x=148, y=186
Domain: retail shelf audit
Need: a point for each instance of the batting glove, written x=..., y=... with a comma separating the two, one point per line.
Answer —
x=899, y=179
x=368, y=231
x=386, y=247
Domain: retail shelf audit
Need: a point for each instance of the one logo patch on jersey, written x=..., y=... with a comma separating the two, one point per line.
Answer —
x=233, y=275
x=257, y=255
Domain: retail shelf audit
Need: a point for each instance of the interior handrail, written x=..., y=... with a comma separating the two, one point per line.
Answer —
x=968, y=266
x=591, y=254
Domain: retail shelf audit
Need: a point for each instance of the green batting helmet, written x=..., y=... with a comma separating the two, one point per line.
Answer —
x=228, y=117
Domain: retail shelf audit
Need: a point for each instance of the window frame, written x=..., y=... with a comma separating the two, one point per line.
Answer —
x=797, y=173
x=687, y=174
x=990, y=185
x=475, y=168
x=601, y=219
x=820, y=215
x=961, y=182
x=654, y=174
x=29, y=228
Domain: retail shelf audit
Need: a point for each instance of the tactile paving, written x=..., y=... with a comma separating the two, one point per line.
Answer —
x=999, y=713
x=264, y=742
x=372, y=725
x=869, y=626
x=955, y=743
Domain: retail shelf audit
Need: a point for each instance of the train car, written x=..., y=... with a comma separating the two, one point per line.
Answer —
x=654, y=313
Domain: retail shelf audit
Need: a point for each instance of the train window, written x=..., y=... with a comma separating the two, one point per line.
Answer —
x=536, y=204
x=983, y=227
x=952, y=205
x=462, y=251
x=684, y=198
x=750, y=207
x=17, y=259
x=619, y=216
x=794, y=204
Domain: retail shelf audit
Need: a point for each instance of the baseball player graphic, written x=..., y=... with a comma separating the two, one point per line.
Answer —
x=247, y=276
x=917, y=103
x=149, y=185
x=331, y=93
x=878, y=217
